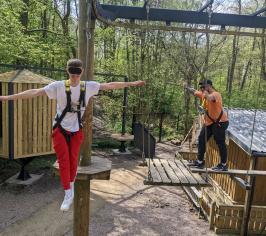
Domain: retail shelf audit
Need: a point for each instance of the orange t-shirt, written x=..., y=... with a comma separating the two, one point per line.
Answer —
x=214, y=108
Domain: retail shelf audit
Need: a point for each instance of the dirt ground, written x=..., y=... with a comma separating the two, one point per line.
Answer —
x=121, y=206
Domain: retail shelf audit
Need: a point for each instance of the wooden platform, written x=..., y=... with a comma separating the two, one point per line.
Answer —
x=123, y=138
x=99, y=169
x=230, y=172
x=172, y=172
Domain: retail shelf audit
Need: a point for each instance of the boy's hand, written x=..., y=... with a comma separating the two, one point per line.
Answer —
x=138, y=83
x=3, y=98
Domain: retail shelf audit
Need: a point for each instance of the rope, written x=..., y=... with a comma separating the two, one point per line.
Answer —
x=207, y=74
x=149, y=154
x=254, y=119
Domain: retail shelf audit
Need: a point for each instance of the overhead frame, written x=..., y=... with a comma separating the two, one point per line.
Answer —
x=111, y=14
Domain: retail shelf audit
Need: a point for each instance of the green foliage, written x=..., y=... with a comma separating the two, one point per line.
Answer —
x=165, y=60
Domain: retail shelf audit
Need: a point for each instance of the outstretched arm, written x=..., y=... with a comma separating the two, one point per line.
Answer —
x=23, y=95
x=190, y=90
x=121, y=85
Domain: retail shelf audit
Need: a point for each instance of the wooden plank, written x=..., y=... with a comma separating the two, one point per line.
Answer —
x=34, y=154
x=212, y=215
x=5, y=121
x=156, y=178
x=30, y=123
x=40, y=124
x=25, y=116
x=44, y=115
x=192, y=196
x=15, y=119
x=197, y=176
x=186, y=172
x=170, y=172
x=20, y=117
x=231, y=172
x=35, y=118
x=178, y=173
x=161, y=171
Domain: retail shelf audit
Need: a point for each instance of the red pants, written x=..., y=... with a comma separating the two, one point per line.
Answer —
x=67, y=155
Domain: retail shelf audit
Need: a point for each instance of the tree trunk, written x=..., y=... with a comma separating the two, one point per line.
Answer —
x=24, y=17
x=231, y=67
x=245, y=74
x=235, y=49
x=65, y=23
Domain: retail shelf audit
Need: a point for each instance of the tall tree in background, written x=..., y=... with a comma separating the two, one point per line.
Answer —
x=235, y=50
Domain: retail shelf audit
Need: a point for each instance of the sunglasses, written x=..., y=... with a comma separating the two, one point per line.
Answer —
x=74, y=70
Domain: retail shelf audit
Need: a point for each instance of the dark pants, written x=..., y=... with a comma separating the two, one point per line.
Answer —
x=218, y=132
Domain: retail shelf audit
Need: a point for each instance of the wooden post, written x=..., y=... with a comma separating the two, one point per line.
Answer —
x=248, y=198
x=81, y=208
x=82, y=187
x=86, y=36
x=212, y=215
x=85, y=153
x=161, y=127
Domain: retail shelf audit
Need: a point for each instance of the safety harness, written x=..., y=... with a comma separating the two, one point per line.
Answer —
x=68, y=108
x=218, y=119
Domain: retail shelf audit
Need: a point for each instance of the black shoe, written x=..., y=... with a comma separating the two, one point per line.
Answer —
x=197, y=164
x=220, y=167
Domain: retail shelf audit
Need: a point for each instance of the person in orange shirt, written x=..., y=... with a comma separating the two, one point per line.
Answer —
x=215, y=124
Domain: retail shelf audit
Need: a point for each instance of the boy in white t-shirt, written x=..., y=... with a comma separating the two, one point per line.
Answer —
x=72, y=97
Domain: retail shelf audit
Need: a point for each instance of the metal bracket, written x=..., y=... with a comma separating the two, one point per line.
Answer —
x=206, y=5
x=242, y=183
x=259, y=11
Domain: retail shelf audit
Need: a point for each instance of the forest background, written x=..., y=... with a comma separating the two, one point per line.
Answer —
x=43, y=34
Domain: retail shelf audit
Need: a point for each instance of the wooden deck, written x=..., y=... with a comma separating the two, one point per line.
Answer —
x=172, y=172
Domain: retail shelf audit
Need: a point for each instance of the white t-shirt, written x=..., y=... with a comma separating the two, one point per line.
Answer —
x=57, y=90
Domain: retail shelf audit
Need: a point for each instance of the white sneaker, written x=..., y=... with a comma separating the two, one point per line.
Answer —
x=68, y=199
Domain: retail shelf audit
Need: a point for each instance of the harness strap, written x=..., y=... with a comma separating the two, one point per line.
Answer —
x=59, y=119
x=68, y=107
x=66, y=134
x=81, y=101
x=218, y=119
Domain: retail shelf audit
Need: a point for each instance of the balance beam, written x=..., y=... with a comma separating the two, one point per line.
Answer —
x=229, y=172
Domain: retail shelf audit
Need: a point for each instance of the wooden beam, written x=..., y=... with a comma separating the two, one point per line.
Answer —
x=230, y=172
x=142, y=27
x=113, y=12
